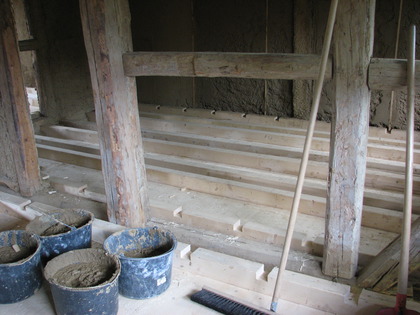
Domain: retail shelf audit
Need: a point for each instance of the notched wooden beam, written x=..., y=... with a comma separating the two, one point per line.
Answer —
x=222, y=64
x=390, y=74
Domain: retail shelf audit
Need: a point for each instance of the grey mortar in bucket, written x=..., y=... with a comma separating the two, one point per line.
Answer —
x=62, y=230
x=84, y=281
x=20, y=265
x=146, y=256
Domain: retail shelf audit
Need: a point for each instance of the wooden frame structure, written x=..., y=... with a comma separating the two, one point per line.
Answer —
x=106, y=29
x=19, y=166
x=113, y=66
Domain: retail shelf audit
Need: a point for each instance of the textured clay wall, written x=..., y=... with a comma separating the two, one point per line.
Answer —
x=217, y=25
x=244, y=26
x=61, y=56
x=385, y=37
x=161, y=25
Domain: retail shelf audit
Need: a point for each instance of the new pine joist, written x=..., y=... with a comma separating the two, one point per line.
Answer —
x=255, y=120
x=292, y=140
x=382, y=273
x=225, y=216
x=228, y=153
x=264, y=157
x=217, y=182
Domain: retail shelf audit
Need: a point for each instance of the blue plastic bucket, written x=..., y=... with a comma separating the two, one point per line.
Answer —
x=84, y=281
x=146, y=256
x=20, y=266
x=62, y=231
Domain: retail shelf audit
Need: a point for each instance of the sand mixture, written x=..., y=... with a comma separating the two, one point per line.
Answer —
x=83, y=275
x=9, y=255
x=147, y=252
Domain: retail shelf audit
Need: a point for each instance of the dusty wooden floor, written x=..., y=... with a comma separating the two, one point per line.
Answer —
x=194, y=268
x=223, y=184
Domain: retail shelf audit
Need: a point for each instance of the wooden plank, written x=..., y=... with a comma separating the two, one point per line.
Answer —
x=223, y=64
x=253, y=119
x=274, y=160
x=70, y=133
x=76, y=145
x=20, y=168
x=221, y=213
x=229, y=182
x=349, y=136
x=230, y=116
x=374, y=150
x=390, y=74
x=107, y=35
x=382, y=273
x=384, y=74
x=247, y=135
x=277, y=176
x=69, y=156
x=375, y=140
x=279, y=128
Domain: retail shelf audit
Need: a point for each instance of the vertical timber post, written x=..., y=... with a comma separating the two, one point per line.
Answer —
x=107, y=35
x=353, y=46
x=19, y=167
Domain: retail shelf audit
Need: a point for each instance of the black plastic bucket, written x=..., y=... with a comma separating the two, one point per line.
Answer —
x=62, y=231
x=146, y=256
x=84, y=281
x=20, y=265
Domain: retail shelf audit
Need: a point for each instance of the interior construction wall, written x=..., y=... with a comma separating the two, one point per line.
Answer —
x=199, y=25
x=218, y=25
x=386, y=22
x=64, y=82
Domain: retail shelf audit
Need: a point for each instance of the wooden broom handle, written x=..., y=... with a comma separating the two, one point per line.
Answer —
x=306, y=149
x=408, y=195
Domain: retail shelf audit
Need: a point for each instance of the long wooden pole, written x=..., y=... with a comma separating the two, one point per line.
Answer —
x=306, y=149
x=397, y=40
x=408, y=196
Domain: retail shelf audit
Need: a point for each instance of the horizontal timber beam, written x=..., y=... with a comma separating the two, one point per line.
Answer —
x=384, y=74
x=222, y=64
x=390, y=74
